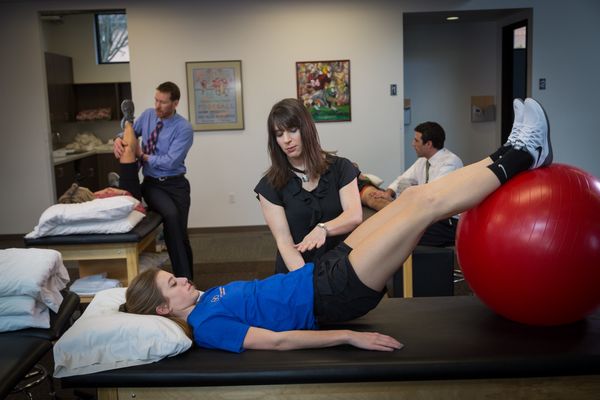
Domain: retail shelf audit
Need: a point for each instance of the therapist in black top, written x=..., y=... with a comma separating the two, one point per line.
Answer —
x=309, y=197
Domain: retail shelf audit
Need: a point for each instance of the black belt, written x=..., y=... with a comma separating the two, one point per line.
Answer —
x=164, y=178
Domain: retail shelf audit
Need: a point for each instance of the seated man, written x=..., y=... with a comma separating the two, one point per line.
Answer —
x=434, y=162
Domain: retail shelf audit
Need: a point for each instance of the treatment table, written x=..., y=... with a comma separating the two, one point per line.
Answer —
x=455, y=348
x=21, y=350
x=95, y=251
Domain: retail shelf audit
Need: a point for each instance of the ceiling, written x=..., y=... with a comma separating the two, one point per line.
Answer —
x=439, y=17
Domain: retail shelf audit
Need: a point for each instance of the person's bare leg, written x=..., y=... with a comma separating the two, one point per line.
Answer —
x=130, y=143
x=370, y=226
x=367, y=199
x=383, y=242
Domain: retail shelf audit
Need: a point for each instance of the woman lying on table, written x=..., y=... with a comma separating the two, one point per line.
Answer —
x=283, y=311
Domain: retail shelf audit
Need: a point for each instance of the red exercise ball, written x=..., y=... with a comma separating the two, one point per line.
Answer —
x=531, y=250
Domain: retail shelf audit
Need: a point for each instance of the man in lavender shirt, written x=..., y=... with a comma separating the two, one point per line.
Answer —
x=166, y=140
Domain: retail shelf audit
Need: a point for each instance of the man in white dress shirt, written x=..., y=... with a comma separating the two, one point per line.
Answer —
x=433, y=162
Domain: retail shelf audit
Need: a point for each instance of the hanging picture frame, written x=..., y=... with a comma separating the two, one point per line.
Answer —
x=324, y=88
x=215, y=95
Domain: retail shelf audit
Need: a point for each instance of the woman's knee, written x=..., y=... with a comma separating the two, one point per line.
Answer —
x=422, y=196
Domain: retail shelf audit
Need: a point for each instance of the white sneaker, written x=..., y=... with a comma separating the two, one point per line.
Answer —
x=519, y=110
x=113, y=179
x=535, y=134
x=128, y=109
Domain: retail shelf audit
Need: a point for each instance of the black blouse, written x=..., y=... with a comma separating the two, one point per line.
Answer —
x=304, y=209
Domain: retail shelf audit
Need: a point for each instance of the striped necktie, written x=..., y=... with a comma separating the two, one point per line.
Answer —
x=427, y=165
x=151, y=145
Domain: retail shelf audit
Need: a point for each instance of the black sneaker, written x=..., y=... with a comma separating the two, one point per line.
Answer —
x=127, y=108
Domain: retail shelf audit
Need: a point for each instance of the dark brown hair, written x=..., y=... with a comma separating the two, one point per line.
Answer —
x=143, y=297
x=432, y=131
x=285, y=115
x=171, y=88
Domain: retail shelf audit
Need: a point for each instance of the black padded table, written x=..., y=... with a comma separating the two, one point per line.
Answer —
x=19, y=355
x=453, y=345
x=21, y=350
x=99, y=253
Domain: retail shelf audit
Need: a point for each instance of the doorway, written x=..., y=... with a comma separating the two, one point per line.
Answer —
x=87, y=78
x=514, y=71
x=446, y=63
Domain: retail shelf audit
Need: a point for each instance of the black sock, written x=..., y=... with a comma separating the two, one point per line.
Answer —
x=510, y=163
x=500, y=152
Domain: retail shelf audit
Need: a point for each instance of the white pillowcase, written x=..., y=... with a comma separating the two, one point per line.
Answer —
x=98, y=210
x=40, y=318
x=121, y=225
x=39, y=273
x=17, y=305
x=375, y=180
x=104, y=338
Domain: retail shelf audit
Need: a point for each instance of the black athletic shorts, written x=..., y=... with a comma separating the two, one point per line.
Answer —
x=339, y=294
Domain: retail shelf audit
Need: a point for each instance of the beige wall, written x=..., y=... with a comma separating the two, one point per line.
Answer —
x=74, y=37
x=269, y=39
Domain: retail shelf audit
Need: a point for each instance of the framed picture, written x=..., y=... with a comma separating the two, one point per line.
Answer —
x=324, y=87
x=215, y=95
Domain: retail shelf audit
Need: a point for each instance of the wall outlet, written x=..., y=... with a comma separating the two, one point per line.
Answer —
x=231, y=198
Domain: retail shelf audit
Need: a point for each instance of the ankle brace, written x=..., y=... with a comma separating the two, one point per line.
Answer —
x=510, y=163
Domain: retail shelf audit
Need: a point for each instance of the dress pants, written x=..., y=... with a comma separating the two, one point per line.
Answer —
x=440, y=234
x=171, y=199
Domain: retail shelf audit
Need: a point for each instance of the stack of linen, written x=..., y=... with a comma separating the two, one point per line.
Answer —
x=92, y=284
x=30, y=285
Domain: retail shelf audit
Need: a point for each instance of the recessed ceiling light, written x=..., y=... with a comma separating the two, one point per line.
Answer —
x=451, y=18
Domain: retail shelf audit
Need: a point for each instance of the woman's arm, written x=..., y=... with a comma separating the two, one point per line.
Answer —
x=264, y=339
x=277, y=222
x=349, y=219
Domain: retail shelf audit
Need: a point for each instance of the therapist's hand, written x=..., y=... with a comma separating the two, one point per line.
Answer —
x=314, y=239
x=118, y=147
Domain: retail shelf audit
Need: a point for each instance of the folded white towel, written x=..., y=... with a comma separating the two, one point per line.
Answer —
x=40, y=318
x=17, y=305
x=38, y=273
x=90, y=285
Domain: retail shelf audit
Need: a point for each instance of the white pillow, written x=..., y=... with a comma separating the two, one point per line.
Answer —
x=17, y=305
x=39, y=318
x=107, y=209
x=375, y=180
x=120, y=225
x=104, y=338
x=39, y=273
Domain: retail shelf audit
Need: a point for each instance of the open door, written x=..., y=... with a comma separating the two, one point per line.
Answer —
x=514, y=70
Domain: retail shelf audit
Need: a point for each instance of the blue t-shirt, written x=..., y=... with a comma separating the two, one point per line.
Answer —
x=280, y=302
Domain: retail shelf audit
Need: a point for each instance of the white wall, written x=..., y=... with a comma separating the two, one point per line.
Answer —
x=444, y=65
x=566, y=53
x=269, y=36
x=25, y=172
x=74, y=37
x=269, y=39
